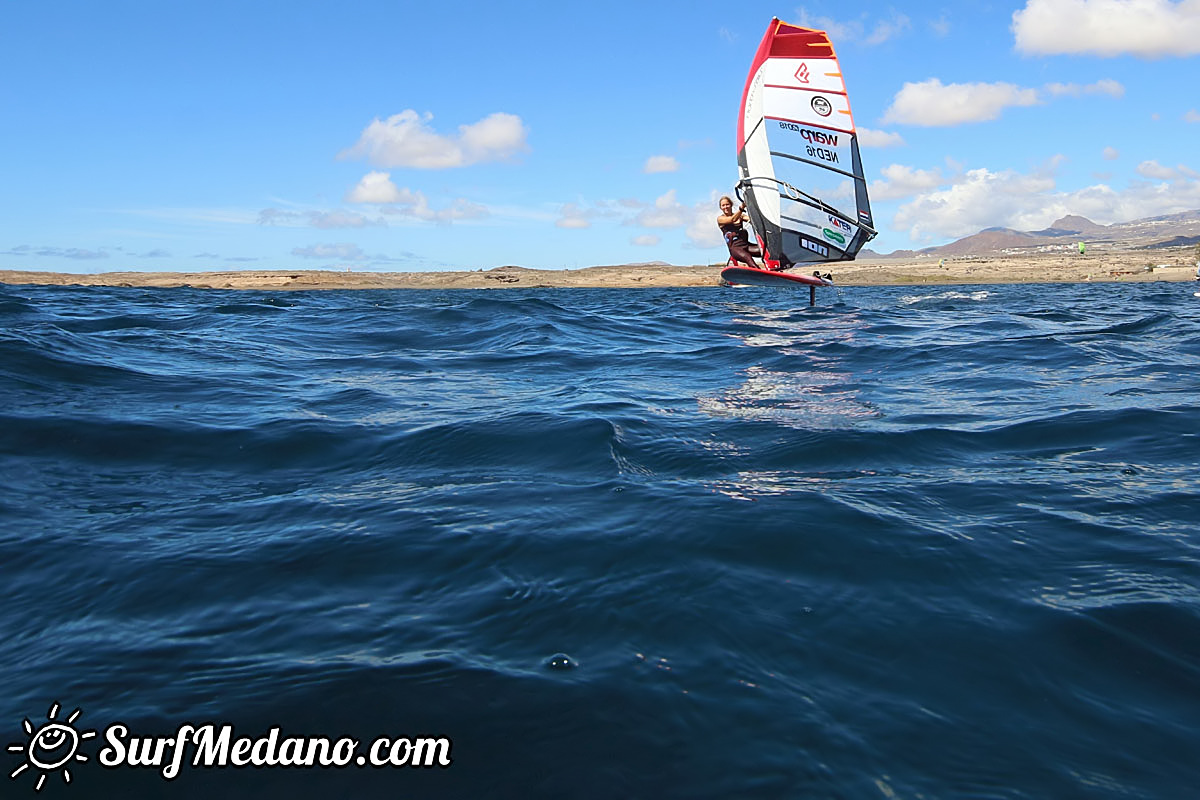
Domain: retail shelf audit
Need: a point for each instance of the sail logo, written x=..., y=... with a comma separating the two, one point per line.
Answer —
x=839, y=223
x=802, y=73
x=819, y=249
x=821, y=106
x=834, y=236
x=818, y=137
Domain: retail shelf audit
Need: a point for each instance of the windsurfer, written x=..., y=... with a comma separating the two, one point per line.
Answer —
x=738, y=242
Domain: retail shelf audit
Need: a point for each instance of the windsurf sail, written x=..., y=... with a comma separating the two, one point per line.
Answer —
x=801, y=175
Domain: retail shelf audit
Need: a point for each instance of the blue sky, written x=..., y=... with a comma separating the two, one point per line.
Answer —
x=396, y=136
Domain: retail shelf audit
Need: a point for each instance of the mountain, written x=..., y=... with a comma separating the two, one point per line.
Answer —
x=987, y=241
x=1071, y=225
x=1168, y=230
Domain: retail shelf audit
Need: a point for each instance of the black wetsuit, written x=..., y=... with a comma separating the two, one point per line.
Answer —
x=738, y=242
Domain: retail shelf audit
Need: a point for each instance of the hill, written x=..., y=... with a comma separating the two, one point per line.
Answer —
x=1168, y=230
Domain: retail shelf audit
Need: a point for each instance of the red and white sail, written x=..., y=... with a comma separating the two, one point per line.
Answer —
x=798, y=156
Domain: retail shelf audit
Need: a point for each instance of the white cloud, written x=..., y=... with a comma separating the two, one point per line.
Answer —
x=660, y=164
x=375, y=187
x=940, y=26
x=316, y=219
x=932, y=103
x=844, y=31
x=698, y=221
x=342, y=251
x=495, y=137
x=581, y=214
x=667, y=212
x=56, y=252
x=888, y=29
x=982, y=199
x=1146, y=28
x=1051, y=165
x=1192, y=116
x=701, y=230
x=873, y=138
x=1106, y=86
x=460, y=208
x=1152, y=169
x=1111, y=154
x=340, y=219
x=277, y=216
x=415, y=205
x=407, y=140
x=574, y=216
x=838, y=31
x=901, y=181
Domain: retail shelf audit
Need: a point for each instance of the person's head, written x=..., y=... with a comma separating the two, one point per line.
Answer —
x=725, y=204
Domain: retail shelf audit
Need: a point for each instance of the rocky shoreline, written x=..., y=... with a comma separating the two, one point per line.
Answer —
x=1174, y=264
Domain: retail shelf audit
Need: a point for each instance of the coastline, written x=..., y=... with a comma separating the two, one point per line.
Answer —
x=1173, y=264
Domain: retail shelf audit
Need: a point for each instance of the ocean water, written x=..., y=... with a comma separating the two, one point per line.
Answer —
x=915, y=542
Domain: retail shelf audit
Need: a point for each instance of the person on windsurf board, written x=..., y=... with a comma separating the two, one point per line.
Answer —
x=732, y=229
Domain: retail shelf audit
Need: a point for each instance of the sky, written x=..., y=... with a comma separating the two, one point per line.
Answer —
x=401, y=136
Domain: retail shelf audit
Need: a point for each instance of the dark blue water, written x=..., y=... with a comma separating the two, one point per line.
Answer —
x=914, y=542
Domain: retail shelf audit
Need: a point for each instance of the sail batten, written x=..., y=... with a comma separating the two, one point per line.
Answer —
x=780, y=154
x=798, y=154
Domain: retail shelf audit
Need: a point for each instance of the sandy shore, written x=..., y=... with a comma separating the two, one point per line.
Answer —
x=1176, y=264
